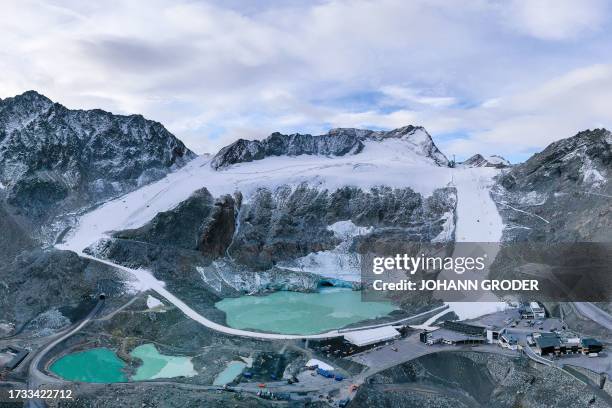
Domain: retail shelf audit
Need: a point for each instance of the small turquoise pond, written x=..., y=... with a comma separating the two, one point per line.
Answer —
x=156, y=365
x=98, y=365
x=229, y=373
x=301, y=313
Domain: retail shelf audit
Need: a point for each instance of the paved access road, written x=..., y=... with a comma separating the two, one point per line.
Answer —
x=588, y=309
x=36, y=377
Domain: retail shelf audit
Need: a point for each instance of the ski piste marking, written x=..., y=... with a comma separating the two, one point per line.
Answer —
x=524, y=212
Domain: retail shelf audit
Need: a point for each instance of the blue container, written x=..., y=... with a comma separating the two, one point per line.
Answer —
x=325, y=373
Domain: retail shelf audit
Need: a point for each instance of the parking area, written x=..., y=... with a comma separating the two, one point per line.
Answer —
x=600, y=364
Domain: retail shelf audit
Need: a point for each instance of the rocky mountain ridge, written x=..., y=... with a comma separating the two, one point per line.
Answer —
x=54, y=163
x=562, y=193
x=337, y=142
x=54, y=159
x=479, y=160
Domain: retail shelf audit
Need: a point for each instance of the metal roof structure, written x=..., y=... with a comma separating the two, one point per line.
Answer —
x=367, y=337
x=546, y=340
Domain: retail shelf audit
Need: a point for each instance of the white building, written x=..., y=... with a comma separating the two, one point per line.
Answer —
x=363, y=338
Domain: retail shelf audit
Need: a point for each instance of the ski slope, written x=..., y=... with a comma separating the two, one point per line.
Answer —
x=477, y=217
x=478, y=221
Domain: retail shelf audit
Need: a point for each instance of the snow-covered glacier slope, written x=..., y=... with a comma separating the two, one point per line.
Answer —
x=388, y=162
x=477, y=223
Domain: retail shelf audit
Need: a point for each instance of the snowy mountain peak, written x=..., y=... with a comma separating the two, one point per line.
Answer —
x=479, y=160
x=581, y=160
x=20, y=110
x=29, y=97
x=337, y=142
x=582, y=149
x=569, y=177
x=376, y=134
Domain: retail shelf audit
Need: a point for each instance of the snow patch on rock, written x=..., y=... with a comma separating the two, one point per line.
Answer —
x=338, y=263
x=590, y=174
x=153, y=302
x=448, y=228
x=48, y=323
x=533, y=198
x=478, y=160
x=347, y=229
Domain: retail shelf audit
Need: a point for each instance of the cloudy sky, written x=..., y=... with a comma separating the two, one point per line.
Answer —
x=493, y=76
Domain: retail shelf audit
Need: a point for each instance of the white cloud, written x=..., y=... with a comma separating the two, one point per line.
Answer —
x=531, y=119
x=212, y=73
x=556, y=19
x=371, y=119
x=399, y=94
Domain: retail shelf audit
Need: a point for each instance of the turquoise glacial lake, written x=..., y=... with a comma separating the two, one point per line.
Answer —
x=101, y=365
x=98, y=365
x=301, y=313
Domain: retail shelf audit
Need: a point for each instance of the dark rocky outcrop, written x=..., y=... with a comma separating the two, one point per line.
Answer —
x=54, y=159
x=37, y=281
x=337, y=142
x=218, y=232
x=281, y=224
x=199, y=223
x=179, y=227
x=16, y=236
x=561, y=194
x=471, y=379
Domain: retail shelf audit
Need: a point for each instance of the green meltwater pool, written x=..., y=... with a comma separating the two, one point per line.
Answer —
x=301, y=313
x=156, y=365
x=99, y=365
